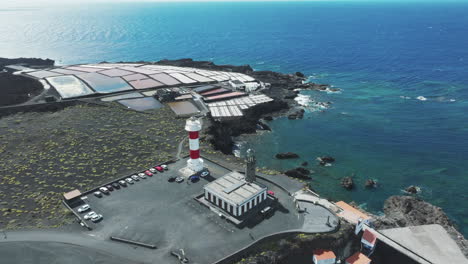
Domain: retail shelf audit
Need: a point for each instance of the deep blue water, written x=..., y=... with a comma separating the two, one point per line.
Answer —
x=374, y=52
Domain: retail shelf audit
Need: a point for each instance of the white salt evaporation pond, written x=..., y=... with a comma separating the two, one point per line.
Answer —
x=69, y=86
x=105, y=78
x=105, y=84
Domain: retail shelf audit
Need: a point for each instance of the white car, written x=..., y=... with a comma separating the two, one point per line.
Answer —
x=129, y=180
x=89, y=215
x=104, y=190
x=164, y=166
x=135, y=178
x=203, y=174
x=153, y=170
x=142, y=176
x=98, y=194
x=84, y=208
x=96, y=217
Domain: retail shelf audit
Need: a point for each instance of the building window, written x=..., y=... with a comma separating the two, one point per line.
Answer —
x=219, y=202
x=209, y=197
x=231, y=209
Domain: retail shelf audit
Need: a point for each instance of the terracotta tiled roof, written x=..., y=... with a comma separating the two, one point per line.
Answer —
x=322, y=254
x=358, y=258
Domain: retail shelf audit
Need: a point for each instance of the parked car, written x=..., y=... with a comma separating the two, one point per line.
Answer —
x=116, y=185
x=204, y=173
x=104, y=190
x=171, y=179
x=98, y=194
x=95, y=218
x=136, y=178
x=129, y=180
x=179, y=179
x=89, y=215
x=194, y=178
x=142, y=176
x=149, y=173
x=272, y=193
x=165, y=167
x=265, y=212
x=159, y=168
x=153, y=170
x=110, y=188
x=84, y=208
x=123, y=183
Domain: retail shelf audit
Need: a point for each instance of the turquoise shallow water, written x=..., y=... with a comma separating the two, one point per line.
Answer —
x=374, y=52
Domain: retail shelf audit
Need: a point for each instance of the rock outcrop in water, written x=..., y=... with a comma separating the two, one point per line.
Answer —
x=287, y=155
x=403, y=211
x=347, y=183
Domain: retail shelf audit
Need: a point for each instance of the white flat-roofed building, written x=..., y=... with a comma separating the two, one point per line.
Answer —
x=237, y=85
x=233, y=194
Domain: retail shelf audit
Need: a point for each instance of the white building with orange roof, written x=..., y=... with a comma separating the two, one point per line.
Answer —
x=358, y=258
x=369, y=239
x=322, y=256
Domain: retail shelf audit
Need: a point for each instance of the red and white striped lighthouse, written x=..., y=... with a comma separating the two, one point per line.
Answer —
x=193, y=126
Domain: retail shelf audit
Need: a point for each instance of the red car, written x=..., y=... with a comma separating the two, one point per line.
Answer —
x=148, y=173
x=159, y=168
x=272, y=193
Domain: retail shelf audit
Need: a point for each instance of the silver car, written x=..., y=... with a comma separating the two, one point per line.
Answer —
x=134, y=177
x=129, y=180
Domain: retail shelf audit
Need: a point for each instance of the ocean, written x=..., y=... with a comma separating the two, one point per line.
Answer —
x=400, y=119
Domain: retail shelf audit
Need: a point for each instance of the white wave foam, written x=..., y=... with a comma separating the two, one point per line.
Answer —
x=421, y=98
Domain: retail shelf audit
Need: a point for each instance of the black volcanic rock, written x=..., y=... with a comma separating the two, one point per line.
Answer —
x=299, y=173
x=412, y=189
x=206, y=65
x=305, y=163
x=16, y=89
x=325, y=160
x=347, y=183
x=268, y=118
x=26, y=62
x=222, y=132
x=370, y=183
x=287, y=155
x=300, y=74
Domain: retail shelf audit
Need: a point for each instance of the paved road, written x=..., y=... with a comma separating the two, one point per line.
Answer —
x=54, y=246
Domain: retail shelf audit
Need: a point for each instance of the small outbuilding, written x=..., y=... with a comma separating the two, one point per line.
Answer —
x=369, y=239
x=358, y=258
x=238, y=85
x=322, y=256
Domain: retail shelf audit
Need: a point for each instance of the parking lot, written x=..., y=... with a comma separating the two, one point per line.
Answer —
x=163, y=213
